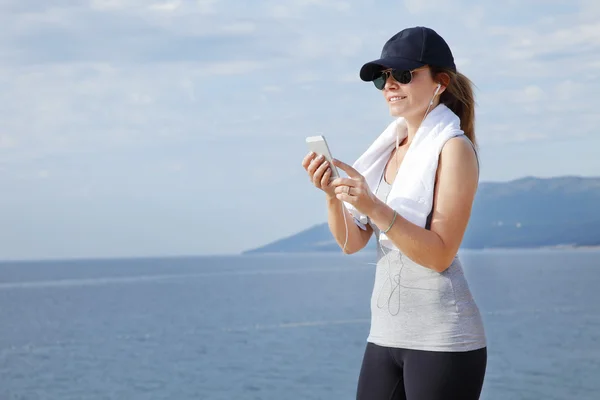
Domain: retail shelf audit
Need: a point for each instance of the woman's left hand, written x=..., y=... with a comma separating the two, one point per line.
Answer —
x=354, y=189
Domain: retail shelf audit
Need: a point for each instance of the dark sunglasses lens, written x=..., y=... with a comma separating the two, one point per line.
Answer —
x=403, y=77
x=379, y=82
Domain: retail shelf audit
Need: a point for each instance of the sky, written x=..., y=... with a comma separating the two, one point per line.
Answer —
x=140, y=128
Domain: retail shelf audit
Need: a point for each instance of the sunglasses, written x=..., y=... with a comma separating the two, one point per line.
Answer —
x=404, y=77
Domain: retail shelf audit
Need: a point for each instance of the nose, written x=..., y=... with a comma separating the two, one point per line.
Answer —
x=391, y=83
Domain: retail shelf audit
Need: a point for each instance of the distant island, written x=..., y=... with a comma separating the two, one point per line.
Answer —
x=523, y=213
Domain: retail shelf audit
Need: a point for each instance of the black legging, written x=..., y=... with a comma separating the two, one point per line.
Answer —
x=403, y=374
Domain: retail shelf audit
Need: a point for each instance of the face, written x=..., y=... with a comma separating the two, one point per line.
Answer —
x=410, y=100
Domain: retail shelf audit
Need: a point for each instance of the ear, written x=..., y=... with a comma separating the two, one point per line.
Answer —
x=444, y=80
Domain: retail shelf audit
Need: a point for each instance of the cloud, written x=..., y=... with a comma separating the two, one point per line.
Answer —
x=123, y=31
x=298, y=9
x=244, y=67
x=178, y=45
x=74, y=107
x=531, y=93
x=168, y=6
x=7, y=141
x=537, y=44
x=423, y=6
x=103, y=5
x=120, y=101
x=175, y=166
x=155, y=65
x=589, y=10
x=141, y=6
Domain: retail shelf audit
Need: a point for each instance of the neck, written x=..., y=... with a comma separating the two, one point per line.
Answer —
x=414, y=122
x=412, y=125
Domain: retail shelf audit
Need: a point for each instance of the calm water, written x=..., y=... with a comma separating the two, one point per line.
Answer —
x=276, y=327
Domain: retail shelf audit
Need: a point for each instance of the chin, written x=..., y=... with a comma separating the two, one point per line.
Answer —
x=405, y=112
x=395, y=112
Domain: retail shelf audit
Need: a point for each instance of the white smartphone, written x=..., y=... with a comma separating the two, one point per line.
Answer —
x=318, y=145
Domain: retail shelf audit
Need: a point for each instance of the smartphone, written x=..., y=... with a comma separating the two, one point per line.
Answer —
x=318, y=145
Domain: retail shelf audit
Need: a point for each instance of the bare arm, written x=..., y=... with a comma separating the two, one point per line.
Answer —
x=457, y=180
x=357, y=238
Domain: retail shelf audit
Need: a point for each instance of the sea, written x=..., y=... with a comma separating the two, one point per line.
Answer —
x=258, y=327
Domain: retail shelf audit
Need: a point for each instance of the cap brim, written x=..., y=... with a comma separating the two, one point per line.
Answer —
x=370, y=70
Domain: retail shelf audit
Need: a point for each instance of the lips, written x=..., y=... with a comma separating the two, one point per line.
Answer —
x=393, y=99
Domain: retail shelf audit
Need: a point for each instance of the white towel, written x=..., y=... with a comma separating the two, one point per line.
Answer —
x=411, y=194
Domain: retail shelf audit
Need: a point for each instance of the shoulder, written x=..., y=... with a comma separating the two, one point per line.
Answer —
x=459, y=153
x=460, y=144
x=458, y=165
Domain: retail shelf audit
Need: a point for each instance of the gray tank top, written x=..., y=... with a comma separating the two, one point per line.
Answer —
x=415, y=307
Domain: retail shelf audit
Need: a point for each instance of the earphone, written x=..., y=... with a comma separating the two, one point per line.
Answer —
x=439, y=86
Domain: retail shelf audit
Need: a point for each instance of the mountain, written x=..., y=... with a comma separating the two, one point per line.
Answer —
x=527, y=212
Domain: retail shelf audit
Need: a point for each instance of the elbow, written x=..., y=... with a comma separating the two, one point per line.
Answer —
x=442, y=263
x=353, y=246
x=440, y=267
x=443, y=258
x=349, y=251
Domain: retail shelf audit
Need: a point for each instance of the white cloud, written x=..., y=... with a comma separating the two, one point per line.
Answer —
x=509, y=134
x=272, y=89
x=531, y=93
x=589, y=10
x=229, y=68
x=207, y=7
x=168, y=6
x=422, y=6
x=314, y=46
x=569, y=90
x=172, y=88
x=538, y=112
x=72, y=107
x=488, y=48
x=176, y=166
x=239, y=28
x=566, y=42
x=474, y=17
x=140, y=98
x=110, y=4
x=7, y=141
x=297, y=9
x=142, y=5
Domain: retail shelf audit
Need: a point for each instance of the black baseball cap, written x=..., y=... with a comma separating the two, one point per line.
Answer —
x=409, y=49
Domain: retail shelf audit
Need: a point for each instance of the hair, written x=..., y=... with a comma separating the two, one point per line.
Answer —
x=458, y=97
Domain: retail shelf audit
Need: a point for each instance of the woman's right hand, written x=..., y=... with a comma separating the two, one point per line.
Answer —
x=319, y=173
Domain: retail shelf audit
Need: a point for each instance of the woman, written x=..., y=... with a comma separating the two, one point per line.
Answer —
x=414, y=188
